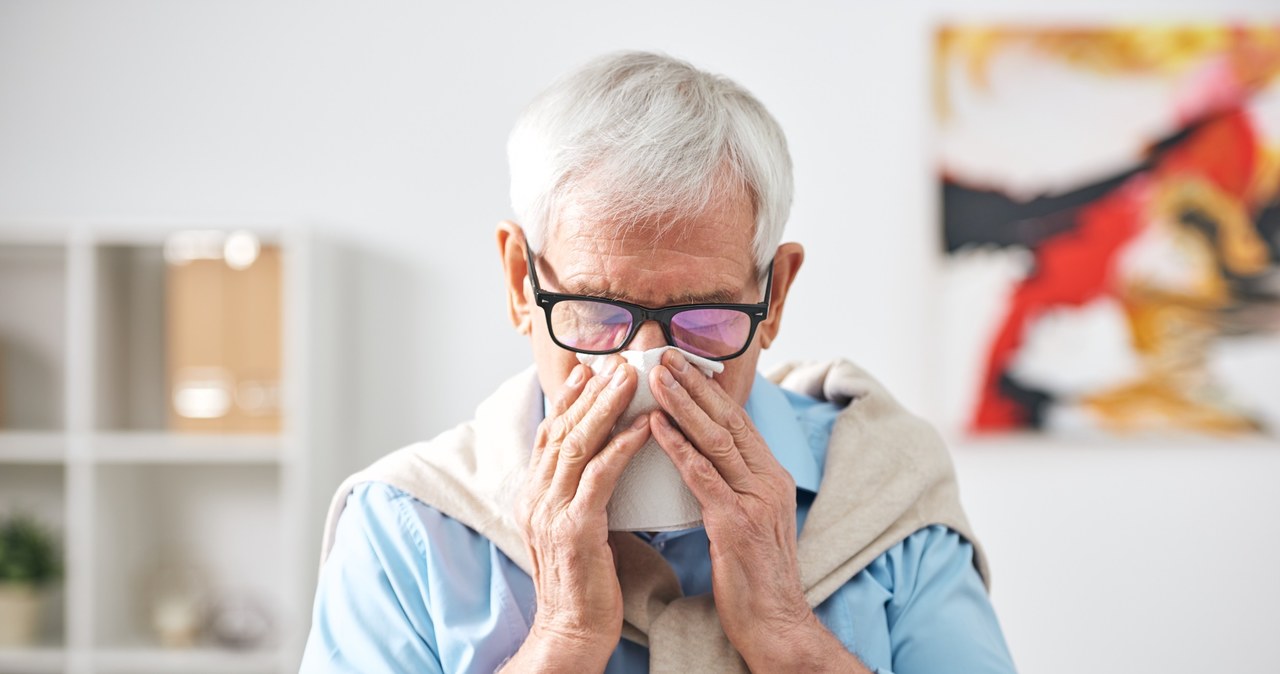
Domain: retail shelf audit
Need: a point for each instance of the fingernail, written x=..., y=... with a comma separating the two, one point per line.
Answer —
x=575, y=376
x=618, y=378
x=609, y=366
x=667, y=380
x=640, y=422
x=678, y=361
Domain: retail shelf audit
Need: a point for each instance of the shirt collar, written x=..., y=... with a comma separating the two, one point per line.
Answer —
x=779, y=425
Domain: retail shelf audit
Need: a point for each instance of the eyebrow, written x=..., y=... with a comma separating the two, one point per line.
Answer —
x=722, y=296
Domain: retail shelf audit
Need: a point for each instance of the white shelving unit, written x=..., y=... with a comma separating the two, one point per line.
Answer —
x=84, y=446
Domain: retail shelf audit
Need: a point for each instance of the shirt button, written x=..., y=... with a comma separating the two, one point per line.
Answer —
x=660, y=546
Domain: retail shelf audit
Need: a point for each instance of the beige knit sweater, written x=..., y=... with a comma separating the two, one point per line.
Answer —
x=887, y=475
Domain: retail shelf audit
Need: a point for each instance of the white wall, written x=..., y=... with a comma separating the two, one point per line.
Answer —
x=382, y=125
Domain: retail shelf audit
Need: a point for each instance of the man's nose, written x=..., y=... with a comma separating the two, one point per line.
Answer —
x=649, y=336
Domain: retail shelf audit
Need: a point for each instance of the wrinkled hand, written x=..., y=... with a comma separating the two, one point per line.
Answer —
x=749, y=509
x=573, y=469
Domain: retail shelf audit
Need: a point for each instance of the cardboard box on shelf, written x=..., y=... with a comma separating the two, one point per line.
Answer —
x=223, y=342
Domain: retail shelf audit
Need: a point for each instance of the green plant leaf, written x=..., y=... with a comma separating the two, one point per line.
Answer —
x=29, y=552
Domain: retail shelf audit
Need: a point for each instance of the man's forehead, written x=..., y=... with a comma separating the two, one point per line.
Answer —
x=701, y=257
x=652, y=277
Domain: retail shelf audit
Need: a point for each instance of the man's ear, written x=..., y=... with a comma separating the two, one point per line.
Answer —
x=786, y=264
x=515, y=274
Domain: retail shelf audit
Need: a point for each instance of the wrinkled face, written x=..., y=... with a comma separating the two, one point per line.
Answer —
x=705, y=258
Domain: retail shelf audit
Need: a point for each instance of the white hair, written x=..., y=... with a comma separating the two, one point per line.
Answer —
x=635, y=135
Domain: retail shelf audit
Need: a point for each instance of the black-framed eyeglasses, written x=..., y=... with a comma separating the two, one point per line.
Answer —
x=595, y=325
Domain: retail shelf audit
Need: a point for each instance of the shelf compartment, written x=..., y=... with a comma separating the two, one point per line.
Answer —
x=129, y=338
x=33, y=309
x=220, y=524
x=188, y=340
x=39, y=491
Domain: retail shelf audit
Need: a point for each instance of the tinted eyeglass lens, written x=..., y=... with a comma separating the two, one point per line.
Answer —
x=589, y=326
x=711, y=333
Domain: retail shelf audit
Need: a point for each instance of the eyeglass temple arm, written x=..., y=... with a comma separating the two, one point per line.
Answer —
x=533, y=271
x=768, y=286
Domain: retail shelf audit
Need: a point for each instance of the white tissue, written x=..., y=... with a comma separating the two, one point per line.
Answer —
x=651, y=495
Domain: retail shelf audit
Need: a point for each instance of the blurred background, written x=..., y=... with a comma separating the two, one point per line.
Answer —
x=247, y=248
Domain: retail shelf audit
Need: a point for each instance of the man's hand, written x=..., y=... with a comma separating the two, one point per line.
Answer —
x=749, y=508
x=562, y=510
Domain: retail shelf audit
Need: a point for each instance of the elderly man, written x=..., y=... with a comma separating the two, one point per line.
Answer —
x=826, y=532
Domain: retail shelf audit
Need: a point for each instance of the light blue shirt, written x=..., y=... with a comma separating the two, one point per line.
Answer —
x=408, y=589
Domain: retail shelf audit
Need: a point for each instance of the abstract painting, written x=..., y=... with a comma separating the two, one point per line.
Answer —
x=1110, y=206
